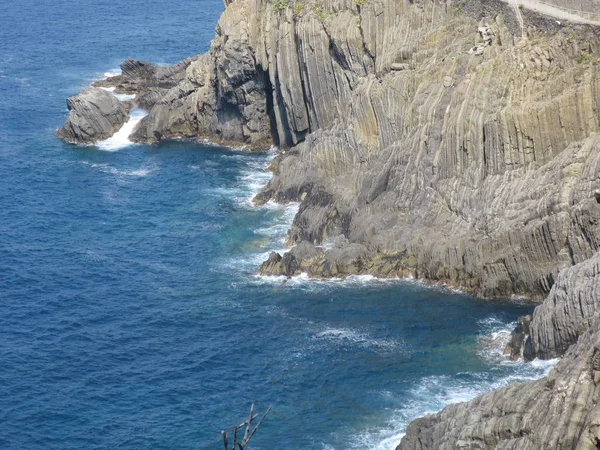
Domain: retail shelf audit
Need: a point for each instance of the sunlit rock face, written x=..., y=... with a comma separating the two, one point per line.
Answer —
x=431, y=159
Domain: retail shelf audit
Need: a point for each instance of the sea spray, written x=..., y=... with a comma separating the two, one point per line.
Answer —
x=431, y=394
x=120, y=139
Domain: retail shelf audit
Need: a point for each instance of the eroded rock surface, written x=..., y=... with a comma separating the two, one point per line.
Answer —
x=94, y=115
x=478, y=170
x=147, y=81
x=568, y=311
x=560, y=411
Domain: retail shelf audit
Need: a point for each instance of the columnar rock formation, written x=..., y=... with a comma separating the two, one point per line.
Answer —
x=567, y=313
x=559, y=411
x=425, y=138
x=94, y=115
x=429, y=159
x=473, y=168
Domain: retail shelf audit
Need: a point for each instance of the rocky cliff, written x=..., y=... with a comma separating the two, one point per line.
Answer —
x=431, y=136
x=448, y=141
x=434, y=139
x=560, y=411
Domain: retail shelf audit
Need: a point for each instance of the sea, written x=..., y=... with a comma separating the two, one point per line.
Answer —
x=131, y=315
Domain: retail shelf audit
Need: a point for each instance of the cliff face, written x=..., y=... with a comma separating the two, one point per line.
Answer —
x=560, y=411
x=425, y=138
x=567, y=313
x=430, y=135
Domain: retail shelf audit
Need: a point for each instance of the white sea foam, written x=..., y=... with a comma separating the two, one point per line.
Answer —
x=111, y=74
x=347, y=336
x=433, y=393
x=121, y=138
x=124, y=97
x=351, y=281
x=121, y=97
x=106, y=168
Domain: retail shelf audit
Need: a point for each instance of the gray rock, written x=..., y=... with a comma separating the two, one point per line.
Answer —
x=399, y=66
x=94, y=115
x=558, y=411
x=514, y=348
x=138, y=77
x=567, y=313
x=448, y=81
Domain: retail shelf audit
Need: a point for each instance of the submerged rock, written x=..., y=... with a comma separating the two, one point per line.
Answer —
x=94, y=115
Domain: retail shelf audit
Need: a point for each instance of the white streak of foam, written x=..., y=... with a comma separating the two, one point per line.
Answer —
x=120, y=97
x=342, y=336
x=121, y=138
x=433, y=393
x=124, y=97
x=142, y=172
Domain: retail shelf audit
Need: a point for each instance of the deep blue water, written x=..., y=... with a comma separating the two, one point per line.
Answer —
x=129, y=313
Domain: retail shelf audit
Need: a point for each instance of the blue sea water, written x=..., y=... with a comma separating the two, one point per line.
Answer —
x=130, y=316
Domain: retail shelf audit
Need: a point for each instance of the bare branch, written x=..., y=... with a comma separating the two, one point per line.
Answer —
x=225, y=444
x=249, y=424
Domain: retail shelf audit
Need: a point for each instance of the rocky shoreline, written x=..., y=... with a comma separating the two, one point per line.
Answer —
x=428, y=139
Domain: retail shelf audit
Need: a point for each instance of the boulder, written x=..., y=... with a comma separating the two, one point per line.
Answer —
x=94, y=115
x=399, y=66
x=517, y=338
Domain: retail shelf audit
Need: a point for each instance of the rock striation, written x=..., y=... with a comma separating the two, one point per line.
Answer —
x=452, y=142
x=94, y=115
x=473, y=168
x=559, y=411
x=147, y=81
x=567, y=313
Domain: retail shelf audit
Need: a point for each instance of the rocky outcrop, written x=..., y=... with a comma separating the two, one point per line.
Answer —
x=559, y=411
x=567, y=313
x=438, y=163
x=147, y=81
x=225, y=95
x=477, y=169
x=515, y=345
x=341, y=260
x=94, y=115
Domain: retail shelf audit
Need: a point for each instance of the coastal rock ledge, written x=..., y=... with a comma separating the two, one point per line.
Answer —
x=425, y=158
x=456, y=142
x=560, y=411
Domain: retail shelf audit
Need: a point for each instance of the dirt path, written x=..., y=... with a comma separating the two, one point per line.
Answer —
x=552, y=11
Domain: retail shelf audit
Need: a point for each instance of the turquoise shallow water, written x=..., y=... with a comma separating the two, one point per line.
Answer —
x=130, y=316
